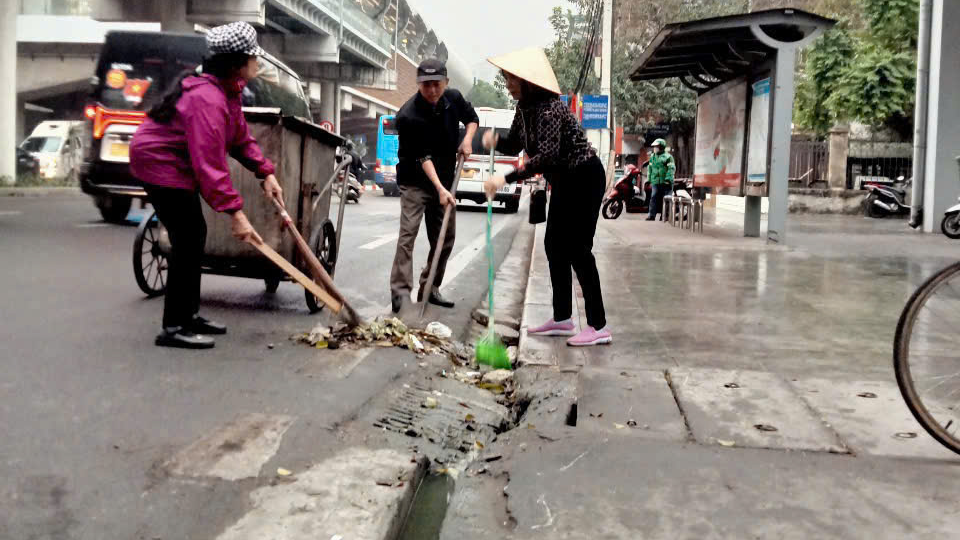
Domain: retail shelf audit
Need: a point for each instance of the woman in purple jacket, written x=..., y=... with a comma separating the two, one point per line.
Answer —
x=180, y=154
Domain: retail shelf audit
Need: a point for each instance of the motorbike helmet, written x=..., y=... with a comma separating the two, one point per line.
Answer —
x=661, y=143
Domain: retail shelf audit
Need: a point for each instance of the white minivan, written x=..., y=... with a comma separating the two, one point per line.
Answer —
x=476, y=169
x=57, y=146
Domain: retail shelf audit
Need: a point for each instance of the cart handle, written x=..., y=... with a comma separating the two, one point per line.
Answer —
x=346, y=161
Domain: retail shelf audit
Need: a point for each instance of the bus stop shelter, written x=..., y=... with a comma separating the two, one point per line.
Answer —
x=742, y=68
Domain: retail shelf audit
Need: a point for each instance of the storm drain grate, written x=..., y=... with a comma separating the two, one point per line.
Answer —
x=453, y=427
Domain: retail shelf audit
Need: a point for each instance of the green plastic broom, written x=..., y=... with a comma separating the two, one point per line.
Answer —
x=490, y=350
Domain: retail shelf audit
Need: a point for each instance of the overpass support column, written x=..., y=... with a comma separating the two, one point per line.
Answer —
x=8, y=90
x=20, y=132
x=174, y=17
x=328, y=102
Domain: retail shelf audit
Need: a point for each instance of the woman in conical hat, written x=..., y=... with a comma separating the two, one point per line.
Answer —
x=557, y=148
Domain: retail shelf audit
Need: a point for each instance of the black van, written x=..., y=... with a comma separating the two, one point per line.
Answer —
x=135, y=69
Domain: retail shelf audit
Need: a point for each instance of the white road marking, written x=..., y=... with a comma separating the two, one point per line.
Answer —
x=90, y=225
x=10, y=212
x=381, y=240
x=234, y=451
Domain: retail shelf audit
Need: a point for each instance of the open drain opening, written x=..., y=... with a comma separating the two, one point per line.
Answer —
x=572, y=416
x=429, y=508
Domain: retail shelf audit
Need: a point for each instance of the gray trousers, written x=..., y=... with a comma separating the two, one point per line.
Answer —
x=414, y=203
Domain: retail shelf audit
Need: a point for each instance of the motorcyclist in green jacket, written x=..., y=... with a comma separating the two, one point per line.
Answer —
x=660, y=175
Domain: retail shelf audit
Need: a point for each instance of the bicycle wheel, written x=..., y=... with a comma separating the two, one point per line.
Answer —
x=926, y=358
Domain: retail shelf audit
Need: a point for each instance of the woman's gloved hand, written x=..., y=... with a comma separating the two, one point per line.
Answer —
x=272, y=189
x=491, y=185
x=242, y=230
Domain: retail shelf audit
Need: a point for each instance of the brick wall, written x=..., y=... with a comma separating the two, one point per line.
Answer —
x=406, y=84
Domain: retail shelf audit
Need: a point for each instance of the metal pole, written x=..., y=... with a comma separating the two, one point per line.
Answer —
x=780, y=139
x=606, y=75
x=921, y=113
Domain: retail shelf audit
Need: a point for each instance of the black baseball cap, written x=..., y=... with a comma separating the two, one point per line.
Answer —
x=431, y=69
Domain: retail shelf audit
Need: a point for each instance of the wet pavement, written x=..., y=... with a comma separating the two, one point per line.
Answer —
x=749, y=392
x=826, y=303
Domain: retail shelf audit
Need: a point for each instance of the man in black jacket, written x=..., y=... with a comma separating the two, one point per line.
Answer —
x=429, y=129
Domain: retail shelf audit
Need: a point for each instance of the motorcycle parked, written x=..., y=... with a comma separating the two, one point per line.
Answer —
x=950, y=225
x=885, y=200
x=625, y=193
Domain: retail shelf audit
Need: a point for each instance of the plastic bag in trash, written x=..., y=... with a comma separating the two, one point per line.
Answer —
x=439, y=330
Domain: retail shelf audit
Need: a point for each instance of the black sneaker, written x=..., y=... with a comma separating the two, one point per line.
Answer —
x=199, y=325
x=182, y=338
x=396, y=303
x=438, y=300
x=650, y=219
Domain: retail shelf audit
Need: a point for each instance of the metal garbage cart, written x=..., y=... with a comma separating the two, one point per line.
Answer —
x=305, y=158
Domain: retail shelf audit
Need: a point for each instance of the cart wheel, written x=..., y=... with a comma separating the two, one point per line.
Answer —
x=149, y=261
x=272, y=284
x=324, y=245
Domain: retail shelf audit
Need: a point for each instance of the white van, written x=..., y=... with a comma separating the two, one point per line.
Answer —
x=57, y=146
x=476, y=169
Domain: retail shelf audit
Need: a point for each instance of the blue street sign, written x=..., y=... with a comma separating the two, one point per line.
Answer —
x=596, y=109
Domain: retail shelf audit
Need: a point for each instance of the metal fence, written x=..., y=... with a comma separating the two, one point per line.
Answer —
x=808, y=162
x=878, y=162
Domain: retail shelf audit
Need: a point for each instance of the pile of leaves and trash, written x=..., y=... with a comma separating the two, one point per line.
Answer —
x=435, y=339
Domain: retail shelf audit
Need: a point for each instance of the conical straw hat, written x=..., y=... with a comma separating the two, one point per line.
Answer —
x=530, y=65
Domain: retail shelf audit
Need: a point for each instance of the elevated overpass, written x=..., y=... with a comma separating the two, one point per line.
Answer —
x=355, y=56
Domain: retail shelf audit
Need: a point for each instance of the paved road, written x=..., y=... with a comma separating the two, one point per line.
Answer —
x=91, y=411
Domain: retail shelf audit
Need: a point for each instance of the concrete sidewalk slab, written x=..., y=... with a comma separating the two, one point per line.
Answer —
x=749, y=409
x=612, y=488
x=872, y=418
x=628, y=404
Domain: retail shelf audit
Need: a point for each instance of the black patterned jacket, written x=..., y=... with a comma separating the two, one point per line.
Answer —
x=550, y=135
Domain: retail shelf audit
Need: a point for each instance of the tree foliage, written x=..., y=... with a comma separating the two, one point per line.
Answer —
x=484, y=94
x=863, y=70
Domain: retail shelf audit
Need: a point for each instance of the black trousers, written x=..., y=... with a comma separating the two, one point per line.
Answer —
x=180, y=212
x=571, y=225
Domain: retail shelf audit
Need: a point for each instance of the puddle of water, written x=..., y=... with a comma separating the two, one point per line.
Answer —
x=429, y=508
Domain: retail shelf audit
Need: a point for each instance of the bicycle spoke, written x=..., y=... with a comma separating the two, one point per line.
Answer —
x=926, y=359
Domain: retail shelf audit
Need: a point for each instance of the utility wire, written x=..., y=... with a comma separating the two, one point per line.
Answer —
x=596, y=19
x=587, y=50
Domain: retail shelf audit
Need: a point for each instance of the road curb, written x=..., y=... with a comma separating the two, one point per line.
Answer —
x=37, y=191
x=515, y=268
x=523, y=353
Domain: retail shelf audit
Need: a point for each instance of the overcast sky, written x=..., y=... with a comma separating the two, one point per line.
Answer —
x=477, y=29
